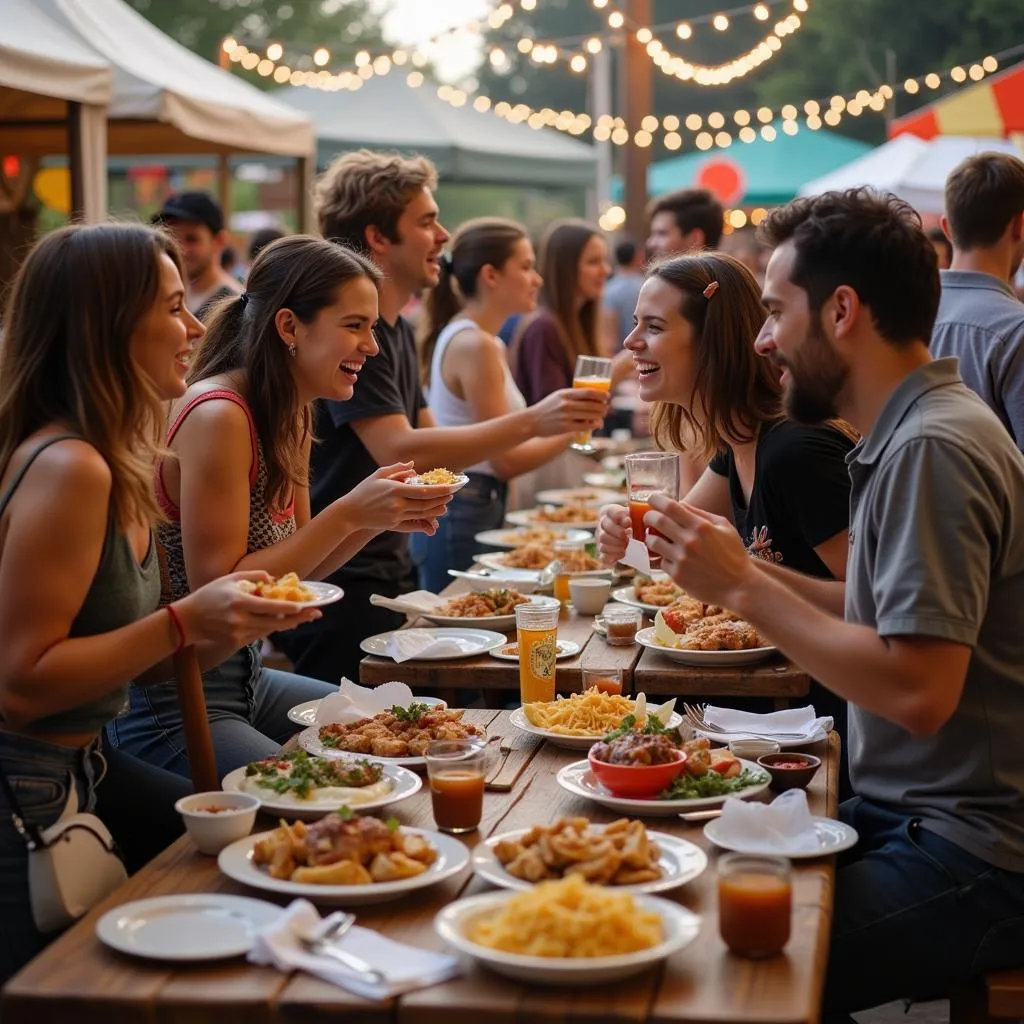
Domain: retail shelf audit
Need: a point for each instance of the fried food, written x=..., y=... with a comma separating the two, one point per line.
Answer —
x=436, y=476
x=566, y=514
x=685, y=611
x=591, y=713
x=529, y=556
x=532, y=535
x=619, y=854
x=692, y=625
x=658, y=592
x=286, y=588
x=340, y=851
x=393, y=734
x=568, y=918
x=721, y=636
x=483, y=604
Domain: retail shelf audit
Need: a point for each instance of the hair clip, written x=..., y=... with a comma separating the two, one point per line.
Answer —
x=711, y=289
x=244, y=299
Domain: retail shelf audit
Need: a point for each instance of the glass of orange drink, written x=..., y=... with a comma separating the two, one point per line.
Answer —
x=649, y=473
x=537, y=633
x=755, y=904
x=594, y=373
x=560, y=584
x=456, y=770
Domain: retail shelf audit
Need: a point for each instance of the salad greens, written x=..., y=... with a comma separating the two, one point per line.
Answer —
x=691, y=787
x=300, y=773
x=652, y=727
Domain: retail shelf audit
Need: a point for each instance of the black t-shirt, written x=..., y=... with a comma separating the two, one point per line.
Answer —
x=388, y=383
x=800, y=497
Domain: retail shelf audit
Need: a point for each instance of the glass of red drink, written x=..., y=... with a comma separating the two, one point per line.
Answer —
x=755, y=904
x=649, y=473
x=455, y=772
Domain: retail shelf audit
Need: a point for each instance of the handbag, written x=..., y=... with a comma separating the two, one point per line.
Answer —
x=72, y=865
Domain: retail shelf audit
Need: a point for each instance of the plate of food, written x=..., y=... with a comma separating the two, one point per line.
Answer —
x=510, y=652
x=566, y=932
x=705, y=778
x=298, y=784
x=578, y=721
x=715, y=638
x=622, y=855
x=304, y=593
x=610, y=479
x=561, y=517
x=343, y=860
x=304, y=714
x=539, y=557
x=439, y=477
x=462, y=643
x=593, y=496
x=649, y=593
x=544, y=535
x=490, y=609
x=399, y=736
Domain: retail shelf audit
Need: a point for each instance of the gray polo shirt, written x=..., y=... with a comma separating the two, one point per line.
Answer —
x=937, y=550
x=981, y=322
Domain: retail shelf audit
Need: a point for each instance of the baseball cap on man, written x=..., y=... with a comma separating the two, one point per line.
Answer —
x=199, y=207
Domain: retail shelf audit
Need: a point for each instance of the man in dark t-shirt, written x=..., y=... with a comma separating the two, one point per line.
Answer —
x=384, y=206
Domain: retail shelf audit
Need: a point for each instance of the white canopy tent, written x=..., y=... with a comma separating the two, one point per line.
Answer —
x=54, y=87
x=913, y=169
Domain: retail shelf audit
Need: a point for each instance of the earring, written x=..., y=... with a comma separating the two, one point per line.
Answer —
x=291, y=351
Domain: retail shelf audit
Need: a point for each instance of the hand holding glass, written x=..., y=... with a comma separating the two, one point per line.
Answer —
x=649, y=473
x=594, y=373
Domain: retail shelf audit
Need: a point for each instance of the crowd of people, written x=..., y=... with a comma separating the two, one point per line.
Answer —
x=166, y=432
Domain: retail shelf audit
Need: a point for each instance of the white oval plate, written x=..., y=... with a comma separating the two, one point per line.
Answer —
x=645, y=637
x=235, y=861
x=493, y=560
x=578, y=779
x=513, y=538
x=403, y=784
x=489, y=621
x=470, y=642
x=680, y=862
x=627, y=595
x=680, y=925
x=196, y=926
x=305, y=713
x=566, y=649
x=324, y=593
x=578, y=496
x=520, y=721
x=613, y=481
x=528, y=517
x=834, y=837
x=525, y=581
x=460, y=482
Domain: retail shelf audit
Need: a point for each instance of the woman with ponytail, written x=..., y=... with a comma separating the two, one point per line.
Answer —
x=234, y=488
x=488, y=275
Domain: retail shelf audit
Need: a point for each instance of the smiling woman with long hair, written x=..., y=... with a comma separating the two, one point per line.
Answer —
x=235, y=489
x=96, y=335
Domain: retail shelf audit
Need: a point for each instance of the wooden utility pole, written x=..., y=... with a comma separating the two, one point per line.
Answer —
x=636, y=102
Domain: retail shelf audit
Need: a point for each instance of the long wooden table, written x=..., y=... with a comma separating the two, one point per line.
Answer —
x=79, y=981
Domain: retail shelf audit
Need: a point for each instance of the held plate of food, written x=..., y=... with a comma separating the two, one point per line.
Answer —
x=440, y=478
x=299, y=785
x=302, y=593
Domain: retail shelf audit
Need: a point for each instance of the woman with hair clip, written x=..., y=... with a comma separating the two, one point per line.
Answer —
x=488, y=275
x=235, y=488
x=96, y=340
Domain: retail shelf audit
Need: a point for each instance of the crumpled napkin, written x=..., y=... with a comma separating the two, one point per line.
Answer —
x=417, y=643
x=785, y=826
x=736, y=725
x=405, y=968
x=414, y=604
x=353, y=703
x=637, y=556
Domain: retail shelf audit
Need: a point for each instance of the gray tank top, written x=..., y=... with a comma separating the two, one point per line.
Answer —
x=121, y=592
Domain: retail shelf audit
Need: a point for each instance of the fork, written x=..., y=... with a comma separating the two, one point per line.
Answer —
x=695, y=716
x=321, y=944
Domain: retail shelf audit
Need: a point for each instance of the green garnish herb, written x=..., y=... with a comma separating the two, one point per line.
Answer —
x=691, y=787
x=345, y=813
x=652, y=727
x=410, y=714
x=393, y=824
x=300, y=773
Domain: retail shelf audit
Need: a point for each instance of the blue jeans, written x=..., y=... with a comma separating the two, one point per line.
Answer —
x=915, y=915
x=479, y=506
x=247, y=706
x=134, y=800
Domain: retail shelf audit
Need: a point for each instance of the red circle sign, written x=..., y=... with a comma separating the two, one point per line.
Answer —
x=724, y=178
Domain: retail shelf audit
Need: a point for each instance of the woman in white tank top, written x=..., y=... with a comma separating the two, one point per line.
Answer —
x=488, y=275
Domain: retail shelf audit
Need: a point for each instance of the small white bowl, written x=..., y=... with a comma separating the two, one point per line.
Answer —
x=215, y=820
x=589, y=594
x=752, y=749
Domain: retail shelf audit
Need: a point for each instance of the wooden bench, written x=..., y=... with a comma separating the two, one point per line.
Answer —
x=998, y=996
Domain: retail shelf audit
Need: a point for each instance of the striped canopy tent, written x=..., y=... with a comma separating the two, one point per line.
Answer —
x=993, y=108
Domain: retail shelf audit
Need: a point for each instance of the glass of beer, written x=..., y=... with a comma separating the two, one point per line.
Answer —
x=560, y=584
x=755, y=904
x=649, y=473
x=456, y=770
x=596, y=373
x=537, y=633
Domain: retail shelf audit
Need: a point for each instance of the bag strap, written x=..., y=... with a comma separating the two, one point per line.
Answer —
x=27, y=465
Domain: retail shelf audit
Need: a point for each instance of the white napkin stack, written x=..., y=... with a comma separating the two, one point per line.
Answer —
x=414, y=604
x=736, y=725
x=353, y=703
x=637, y=557
x=417, y=643
x=784, y=826
x=405, y=968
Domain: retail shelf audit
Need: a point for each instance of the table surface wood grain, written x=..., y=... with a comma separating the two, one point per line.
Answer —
x=79, y=981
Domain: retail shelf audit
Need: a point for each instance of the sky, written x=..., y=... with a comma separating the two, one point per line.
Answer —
x=413, y=21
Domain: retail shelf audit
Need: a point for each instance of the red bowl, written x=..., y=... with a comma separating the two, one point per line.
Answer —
x=636, y=781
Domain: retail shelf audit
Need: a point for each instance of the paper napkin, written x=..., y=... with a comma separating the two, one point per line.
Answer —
x=747, y=725
x=417, y=643
x=353, y=703
x=415, y=604
x=637, y=557
x=404, y=967
x=784, y=826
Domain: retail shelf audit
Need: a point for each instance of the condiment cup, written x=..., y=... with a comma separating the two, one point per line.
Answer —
x=789, y=778
x=215, y=820
x=751, y=750
x=589, y=594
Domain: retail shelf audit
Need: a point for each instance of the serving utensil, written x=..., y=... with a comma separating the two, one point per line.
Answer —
x=333, y=928
x=695, y=716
